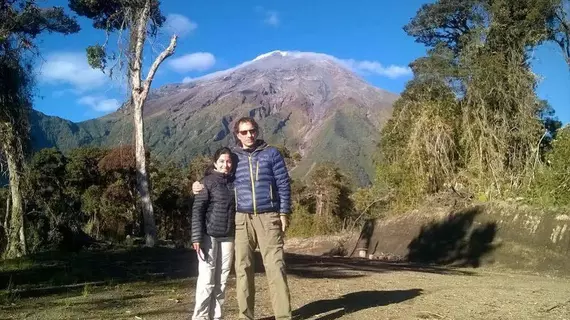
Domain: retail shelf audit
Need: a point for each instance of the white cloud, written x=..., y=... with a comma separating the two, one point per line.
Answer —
x=198, y=61
x=270, y=17
x=71, y=68
x=187, y=79
x=375, y=67
x=179, y=24
x=99, y=103
x=363, y=67
x=61, y=93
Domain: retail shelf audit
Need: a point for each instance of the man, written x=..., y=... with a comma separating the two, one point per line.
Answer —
x=263, y=196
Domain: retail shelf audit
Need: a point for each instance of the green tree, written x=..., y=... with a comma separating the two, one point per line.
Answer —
x=369, y=202
x=552, y=184
x=328, y=188
x=119, y=216
x=470, y=115
x=291, y=160
x=500, y=128
x=84, y=186
x=198, y=167
x=559, y=28
x=171, y=200
x=447, y=22
x=118, y=200
x=83, y=169
x=91, y=206
x=21, y=21
x=47, y=189
x=551, y=124
x=4, y=213
x=419, y=148
x=141, y=18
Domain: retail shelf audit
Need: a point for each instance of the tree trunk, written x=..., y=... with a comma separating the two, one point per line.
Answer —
x=319, y=204
x=139, y=92
x=15, y=227
x=142, y=175
x=6, y=217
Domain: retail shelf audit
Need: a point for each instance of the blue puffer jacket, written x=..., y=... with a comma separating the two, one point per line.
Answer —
x=262, y=180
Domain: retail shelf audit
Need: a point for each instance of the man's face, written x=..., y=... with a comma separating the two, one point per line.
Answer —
x=247, y=134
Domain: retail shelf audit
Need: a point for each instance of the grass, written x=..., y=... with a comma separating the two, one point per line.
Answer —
x=158, y=283
x=86, y=288
x=8, y=296
x=347, y=289
x=16, y=264
x=55, y=271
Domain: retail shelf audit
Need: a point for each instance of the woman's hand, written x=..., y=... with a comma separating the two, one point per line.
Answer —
x=196, y=246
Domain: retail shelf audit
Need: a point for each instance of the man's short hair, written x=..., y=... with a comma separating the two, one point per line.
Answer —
x=245, y=120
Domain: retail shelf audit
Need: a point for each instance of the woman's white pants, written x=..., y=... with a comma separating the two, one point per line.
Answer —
x=213, y=273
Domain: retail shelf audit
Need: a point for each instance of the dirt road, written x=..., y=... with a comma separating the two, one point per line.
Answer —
x=327, y=288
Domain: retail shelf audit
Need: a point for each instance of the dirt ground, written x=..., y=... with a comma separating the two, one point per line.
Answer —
x=324, y=288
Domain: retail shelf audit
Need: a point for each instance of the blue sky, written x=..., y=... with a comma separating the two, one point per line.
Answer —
x=218, y=35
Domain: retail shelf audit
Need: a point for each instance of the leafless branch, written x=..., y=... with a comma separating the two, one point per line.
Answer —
x=163, y=55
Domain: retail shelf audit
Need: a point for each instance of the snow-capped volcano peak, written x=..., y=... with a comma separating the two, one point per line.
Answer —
x=295, y=54
x=268, y=54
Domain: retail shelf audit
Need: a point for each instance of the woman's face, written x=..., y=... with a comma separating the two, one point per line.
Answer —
x=223, y=164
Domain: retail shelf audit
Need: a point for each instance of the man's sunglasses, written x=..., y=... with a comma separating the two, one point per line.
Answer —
x=244, y=132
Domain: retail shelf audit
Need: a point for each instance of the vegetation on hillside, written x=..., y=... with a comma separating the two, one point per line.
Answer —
x=470, y=120
x=89, y=197
x=21, y=22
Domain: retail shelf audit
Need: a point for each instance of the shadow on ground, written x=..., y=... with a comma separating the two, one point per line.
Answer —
x=308, y=266
x=54, y=273
x=352, y=302
x=457, y=240
x=59, y=272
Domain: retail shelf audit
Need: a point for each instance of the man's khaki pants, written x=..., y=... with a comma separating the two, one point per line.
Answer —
x=263, y=229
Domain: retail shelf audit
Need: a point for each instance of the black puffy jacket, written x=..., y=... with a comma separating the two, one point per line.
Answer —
x=213, y=212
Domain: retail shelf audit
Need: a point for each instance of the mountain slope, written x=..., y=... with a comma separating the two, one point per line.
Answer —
x=308, y=102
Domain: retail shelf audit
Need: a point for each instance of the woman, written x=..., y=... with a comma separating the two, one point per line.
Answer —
x=213, y=231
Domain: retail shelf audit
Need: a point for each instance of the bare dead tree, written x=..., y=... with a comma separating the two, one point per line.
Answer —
x=140, y=18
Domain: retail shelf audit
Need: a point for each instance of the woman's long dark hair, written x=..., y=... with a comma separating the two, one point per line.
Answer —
x=217, y=155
